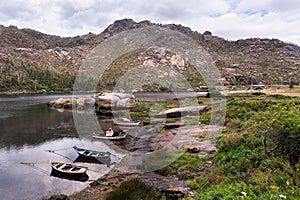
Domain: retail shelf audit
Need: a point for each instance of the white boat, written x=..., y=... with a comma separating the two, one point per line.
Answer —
x=68, y=169
x=121, y=136
x=127, y=122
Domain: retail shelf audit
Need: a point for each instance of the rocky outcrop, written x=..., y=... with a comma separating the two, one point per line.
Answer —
x=123, y=25
x=61, y=103
x=181, y=138
x=207, y=35
x=78, y=103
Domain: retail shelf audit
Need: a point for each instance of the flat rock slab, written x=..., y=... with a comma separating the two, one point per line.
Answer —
x=150, y=153
x=173, y=125
x=202, y=136
x=183, y=111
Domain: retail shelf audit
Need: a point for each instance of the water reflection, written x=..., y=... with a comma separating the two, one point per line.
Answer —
x=29, y=121
x=28, y=130
x=82, y=178
x=36, y=126
x=81, y=159
x=34, y=180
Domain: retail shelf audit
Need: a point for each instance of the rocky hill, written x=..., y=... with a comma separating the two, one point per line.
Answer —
x=30, y=60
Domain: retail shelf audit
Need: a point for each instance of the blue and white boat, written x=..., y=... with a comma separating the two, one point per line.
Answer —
x=91, y=154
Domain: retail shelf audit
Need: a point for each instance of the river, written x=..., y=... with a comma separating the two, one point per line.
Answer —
x=28, y=129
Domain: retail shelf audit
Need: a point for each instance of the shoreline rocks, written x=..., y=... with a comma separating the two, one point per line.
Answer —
x=169, y=186
x=79, y=103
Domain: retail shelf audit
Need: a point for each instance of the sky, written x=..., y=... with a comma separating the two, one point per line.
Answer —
x=230, y=19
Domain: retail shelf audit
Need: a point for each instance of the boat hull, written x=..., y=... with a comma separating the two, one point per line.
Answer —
x=120, y=137
x=129, y=124
x=90, y=155
x=82, y=177
x=68, y=169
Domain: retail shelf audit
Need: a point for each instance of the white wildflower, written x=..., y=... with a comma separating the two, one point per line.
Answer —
x=282, y=196
x=244, y=193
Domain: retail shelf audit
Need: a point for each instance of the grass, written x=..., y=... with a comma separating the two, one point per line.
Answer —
x=241, y=169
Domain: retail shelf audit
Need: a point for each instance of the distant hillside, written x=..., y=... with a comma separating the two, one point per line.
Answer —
x=30, y=60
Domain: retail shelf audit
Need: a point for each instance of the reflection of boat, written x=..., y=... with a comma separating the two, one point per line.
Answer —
x=92, y=160
x=68, y=169
x=84, y=177
x=127, y=122
x=103, y=157
x=116, y=136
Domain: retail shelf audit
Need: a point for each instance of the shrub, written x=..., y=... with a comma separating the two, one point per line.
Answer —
x=231, y=141
x=133, y=189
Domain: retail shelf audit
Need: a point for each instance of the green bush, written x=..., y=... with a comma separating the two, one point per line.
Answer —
x=183, y=167
x=133, y=189
x=241, y=159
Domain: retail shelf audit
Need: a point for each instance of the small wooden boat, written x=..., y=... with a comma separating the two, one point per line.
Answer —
x=120, y=136
x=68, y=169
x=94, y=155
x=127, y=122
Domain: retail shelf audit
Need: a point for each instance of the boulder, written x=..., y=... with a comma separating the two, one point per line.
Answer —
x=175, y=192
x=61, y=103
x=43, y=91
x=194, y=148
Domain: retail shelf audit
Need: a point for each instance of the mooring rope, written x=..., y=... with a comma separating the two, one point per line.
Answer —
x=116, y=156
x=32, y=165
x=53, y=151
x=58, y=149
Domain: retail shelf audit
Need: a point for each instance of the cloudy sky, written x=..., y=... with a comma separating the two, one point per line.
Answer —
x=231, y=19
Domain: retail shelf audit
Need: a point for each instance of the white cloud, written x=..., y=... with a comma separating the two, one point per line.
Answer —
x=253, y=5
x=232, y=19
x=271, y=5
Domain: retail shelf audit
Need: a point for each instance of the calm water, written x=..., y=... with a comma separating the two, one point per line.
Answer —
x=28, y=128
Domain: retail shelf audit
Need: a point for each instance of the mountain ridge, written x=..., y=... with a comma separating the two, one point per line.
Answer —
x=31, y=60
